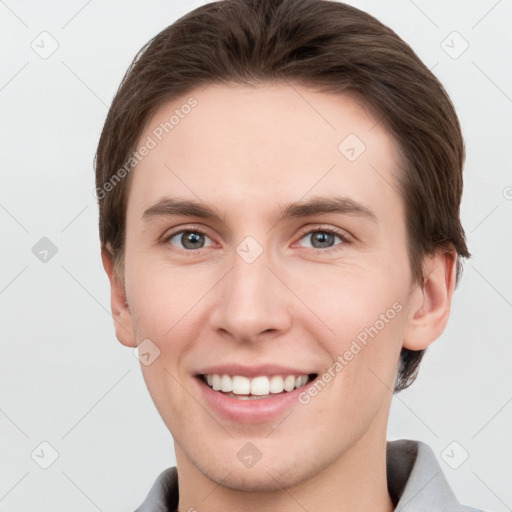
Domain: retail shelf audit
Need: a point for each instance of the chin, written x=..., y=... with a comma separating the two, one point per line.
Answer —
x=270, y=476
x=259, y=484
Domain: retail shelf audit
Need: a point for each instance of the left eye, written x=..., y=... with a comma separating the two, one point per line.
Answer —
x=189, y=239
x=322, y=239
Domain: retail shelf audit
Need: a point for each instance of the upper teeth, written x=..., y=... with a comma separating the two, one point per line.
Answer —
x=261, y=386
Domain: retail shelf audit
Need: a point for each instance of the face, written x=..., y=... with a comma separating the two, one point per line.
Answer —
x=266, y=257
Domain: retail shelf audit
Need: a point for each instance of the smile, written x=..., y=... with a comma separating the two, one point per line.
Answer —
x=244, y=388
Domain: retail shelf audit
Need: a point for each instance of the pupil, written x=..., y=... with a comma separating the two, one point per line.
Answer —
x=190, y=240
x=324, y=239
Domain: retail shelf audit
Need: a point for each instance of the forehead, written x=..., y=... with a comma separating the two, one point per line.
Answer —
x=280, y=138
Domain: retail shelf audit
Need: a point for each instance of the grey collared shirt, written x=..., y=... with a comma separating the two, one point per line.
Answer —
x=416, y=483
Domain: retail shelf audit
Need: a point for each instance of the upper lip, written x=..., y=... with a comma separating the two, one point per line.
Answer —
x=252, y=371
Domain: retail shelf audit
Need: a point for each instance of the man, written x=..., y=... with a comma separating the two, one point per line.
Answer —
x=279, y=186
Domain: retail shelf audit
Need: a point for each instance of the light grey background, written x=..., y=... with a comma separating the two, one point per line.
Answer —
x=64, y=377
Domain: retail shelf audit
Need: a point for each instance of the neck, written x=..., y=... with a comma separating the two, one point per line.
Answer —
x=356, y=481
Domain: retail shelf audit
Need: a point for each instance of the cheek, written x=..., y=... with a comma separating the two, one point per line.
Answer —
x=364, y=354
x=163, y=299
x=168, y=307
x=349, y=300
x=362, y=316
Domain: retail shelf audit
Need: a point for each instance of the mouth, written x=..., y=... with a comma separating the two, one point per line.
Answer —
x=252, y=394
x=260, y=387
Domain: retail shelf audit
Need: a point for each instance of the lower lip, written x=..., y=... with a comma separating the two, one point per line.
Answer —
x=250, y=411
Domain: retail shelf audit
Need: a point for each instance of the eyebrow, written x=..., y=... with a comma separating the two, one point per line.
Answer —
x=316, y=206
x=168, y=207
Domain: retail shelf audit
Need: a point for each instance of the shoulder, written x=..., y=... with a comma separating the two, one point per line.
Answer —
x=163, y=495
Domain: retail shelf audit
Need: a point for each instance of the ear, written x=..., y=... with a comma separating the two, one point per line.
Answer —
x=431, y=300
x=120, y=310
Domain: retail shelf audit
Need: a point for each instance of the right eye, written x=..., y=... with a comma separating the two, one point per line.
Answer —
x=190, y=239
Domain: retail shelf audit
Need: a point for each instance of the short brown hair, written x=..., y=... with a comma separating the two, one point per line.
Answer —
x=317, y=43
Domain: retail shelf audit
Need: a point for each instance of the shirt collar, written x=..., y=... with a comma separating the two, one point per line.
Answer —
x=416, y=483
x=416, y=480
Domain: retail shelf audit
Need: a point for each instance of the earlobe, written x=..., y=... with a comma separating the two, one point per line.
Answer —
x=432, y=301
x=120, y=310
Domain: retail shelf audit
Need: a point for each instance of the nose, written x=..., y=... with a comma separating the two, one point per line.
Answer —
x=253, y=303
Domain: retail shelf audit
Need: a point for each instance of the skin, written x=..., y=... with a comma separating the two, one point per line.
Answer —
x=246, y=151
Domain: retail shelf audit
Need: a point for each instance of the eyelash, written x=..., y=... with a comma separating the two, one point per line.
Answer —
x=344, y=237
x=326, y=229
